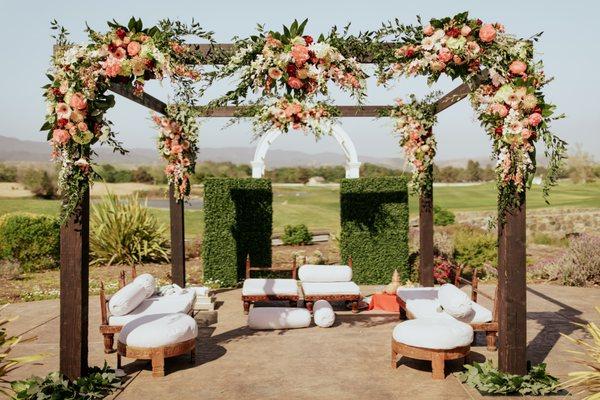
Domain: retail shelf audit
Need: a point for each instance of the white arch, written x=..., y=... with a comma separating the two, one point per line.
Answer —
x=347, y=145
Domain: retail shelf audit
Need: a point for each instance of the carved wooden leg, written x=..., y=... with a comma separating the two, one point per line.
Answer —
x=293, y=303
x=118, y=361
x=309, y=305
x=109, y=341
x=354, y=307
x=158, y=364
x=246, y=307
x=394, y=357
x=490, y=340
x=437, y=365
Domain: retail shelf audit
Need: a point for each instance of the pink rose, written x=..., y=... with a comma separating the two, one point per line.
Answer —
x=176, y=149
x=428, y=30
x=466, y=29
x=133, y=48
x=517, y=67
x=444, y=55
x=499, y=109
x=60, y=136
x=78, y=102
x=535, y=119
x=295, y=83
x=82, y=126
x=487, y=33
x=526, y=134
x=112, y=67
x=300, y=54
x=169, y=169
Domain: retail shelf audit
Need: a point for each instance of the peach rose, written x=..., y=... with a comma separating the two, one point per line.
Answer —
x=78, y=102
x=437, y=66
x=82, y=126
x=60, y=136
x=487, y=33
x=517, y=67
x=457, y=60
x=526, y=134
x=428, y=30
x=300, y=54
x=302, y=73
x=169, y=169
x=444, y=55
x=176, y=149
x=77, y=116
x=294, y=83
x=275, y=73
x=535, y=119
x=133, y=48
x=112, y=67
x=465, y=30
x=499, y=109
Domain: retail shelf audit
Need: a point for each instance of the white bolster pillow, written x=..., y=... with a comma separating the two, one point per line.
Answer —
x=126, y=299
x=147, y=282
x=454, y=301
x=323, y=314
x=278, y=318
x=325, y=273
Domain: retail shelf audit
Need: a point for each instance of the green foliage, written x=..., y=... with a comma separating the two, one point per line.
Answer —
x=210, y=169
x=125, y=232
x=489, y=380
x=442, y=216
x=474, y=247
x=32, y=240
x=8, y=173
x=296, y=234
x=238, y=218
x=97, y=384
x=374, y=219
x=40, y=183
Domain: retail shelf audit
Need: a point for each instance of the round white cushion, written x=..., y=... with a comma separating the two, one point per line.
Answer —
x=126, y=299
x=159, y=330
x=278, y=318
x=433, y=333
x=147, y=282
x=323, y=314
x=454, y=301
x=325, y=273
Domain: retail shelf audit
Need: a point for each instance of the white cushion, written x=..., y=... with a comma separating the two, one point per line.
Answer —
x=278, y=318
x=427, y=308
x=417, y=293
x=262, y=287
x=159, y=330
x=326, y=288
x=177, y=303
x=148, y=283
x=323, y=314
x=126, y=299
x=433, y=333
x=325, y=273
x=454, y=301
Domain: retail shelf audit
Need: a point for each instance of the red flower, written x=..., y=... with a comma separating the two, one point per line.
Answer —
x=121, y=33
x=291, y=69
x=62, y=122
x=498, y=131
x=479, y=22
x=112, y=47
x=56, y=91
x=308, y=39
x=537, y=109
x=409, y=52
x=453, y=32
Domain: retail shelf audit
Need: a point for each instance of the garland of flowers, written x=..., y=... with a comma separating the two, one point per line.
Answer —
x=289, y=70
x=80, y=75
x=414, y=122
x=509, y=104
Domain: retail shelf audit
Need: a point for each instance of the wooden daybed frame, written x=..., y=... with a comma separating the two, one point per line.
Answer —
x=490, y=328
x=248, y=300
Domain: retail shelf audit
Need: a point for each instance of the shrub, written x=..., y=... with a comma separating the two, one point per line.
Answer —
x=123, y=231
x=8, y=173
x=238, y=220
x=296, y=235
x=31, y=240
x=374, y=219
x=443, y=217
x=442, y=271
x=40, y=183
x=474, y=248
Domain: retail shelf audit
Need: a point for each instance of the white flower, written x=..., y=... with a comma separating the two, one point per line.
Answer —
x=321, y=50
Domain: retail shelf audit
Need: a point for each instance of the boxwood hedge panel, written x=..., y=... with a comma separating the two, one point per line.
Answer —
x=238, y=216
x=374, y=219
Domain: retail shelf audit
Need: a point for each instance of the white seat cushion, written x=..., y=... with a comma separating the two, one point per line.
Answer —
x=147, y=282
x=278, y=318
x=325, y=273
x=417, y=293
x=429, y=307
x=454, y=301
x=176, y=303
x=270, y=287
x=433, y=333
x=126, y=299
x=326, y=288
x=159, y=330
x=323, y=314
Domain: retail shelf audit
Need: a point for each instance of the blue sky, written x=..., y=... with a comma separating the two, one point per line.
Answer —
x=568, y=47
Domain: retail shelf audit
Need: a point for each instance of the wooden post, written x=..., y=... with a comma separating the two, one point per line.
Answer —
x=512, y=309
x=426, y=237
x=177, y=239
x=74, y=285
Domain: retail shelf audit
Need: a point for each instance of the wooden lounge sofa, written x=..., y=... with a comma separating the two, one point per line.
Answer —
x=112, y=324
x=329, y=282
x=269, y=289
x=422, y=303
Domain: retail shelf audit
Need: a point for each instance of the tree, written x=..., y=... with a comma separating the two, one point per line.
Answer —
x=473, y=171
x=581, y=166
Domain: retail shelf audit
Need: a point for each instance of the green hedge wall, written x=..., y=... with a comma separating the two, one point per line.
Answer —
x=238, y=216
x=374, y=219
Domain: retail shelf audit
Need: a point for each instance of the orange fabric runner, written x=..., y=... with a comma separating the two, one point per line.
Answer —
x=384, y=302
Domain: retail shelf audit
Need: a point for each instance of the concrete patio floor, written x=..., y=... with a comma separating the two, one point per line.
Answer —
x=351, y=360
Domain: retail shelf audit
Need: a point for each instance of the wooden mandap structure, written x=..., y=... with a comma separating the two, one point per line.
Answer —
x=74, y=249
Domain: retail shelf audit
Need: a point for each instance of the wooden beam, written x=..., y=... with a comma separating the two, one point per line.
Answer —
x=145, y=99
x=345, y=111
x=426, y=237
x=177, y=224
x=460, y=92
x=512, y=291
x=74, y=291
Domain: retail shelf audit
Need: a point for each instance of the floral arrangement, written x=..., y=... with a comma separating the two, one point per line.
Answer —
x=289, y=69
x=442, y=271
x=509, y=103
x=414, y=122
x=177, y=143
x=80, y=75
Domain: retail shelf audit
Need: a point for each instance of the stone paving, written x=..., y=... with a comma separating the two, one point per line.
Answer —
x=350, y=360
